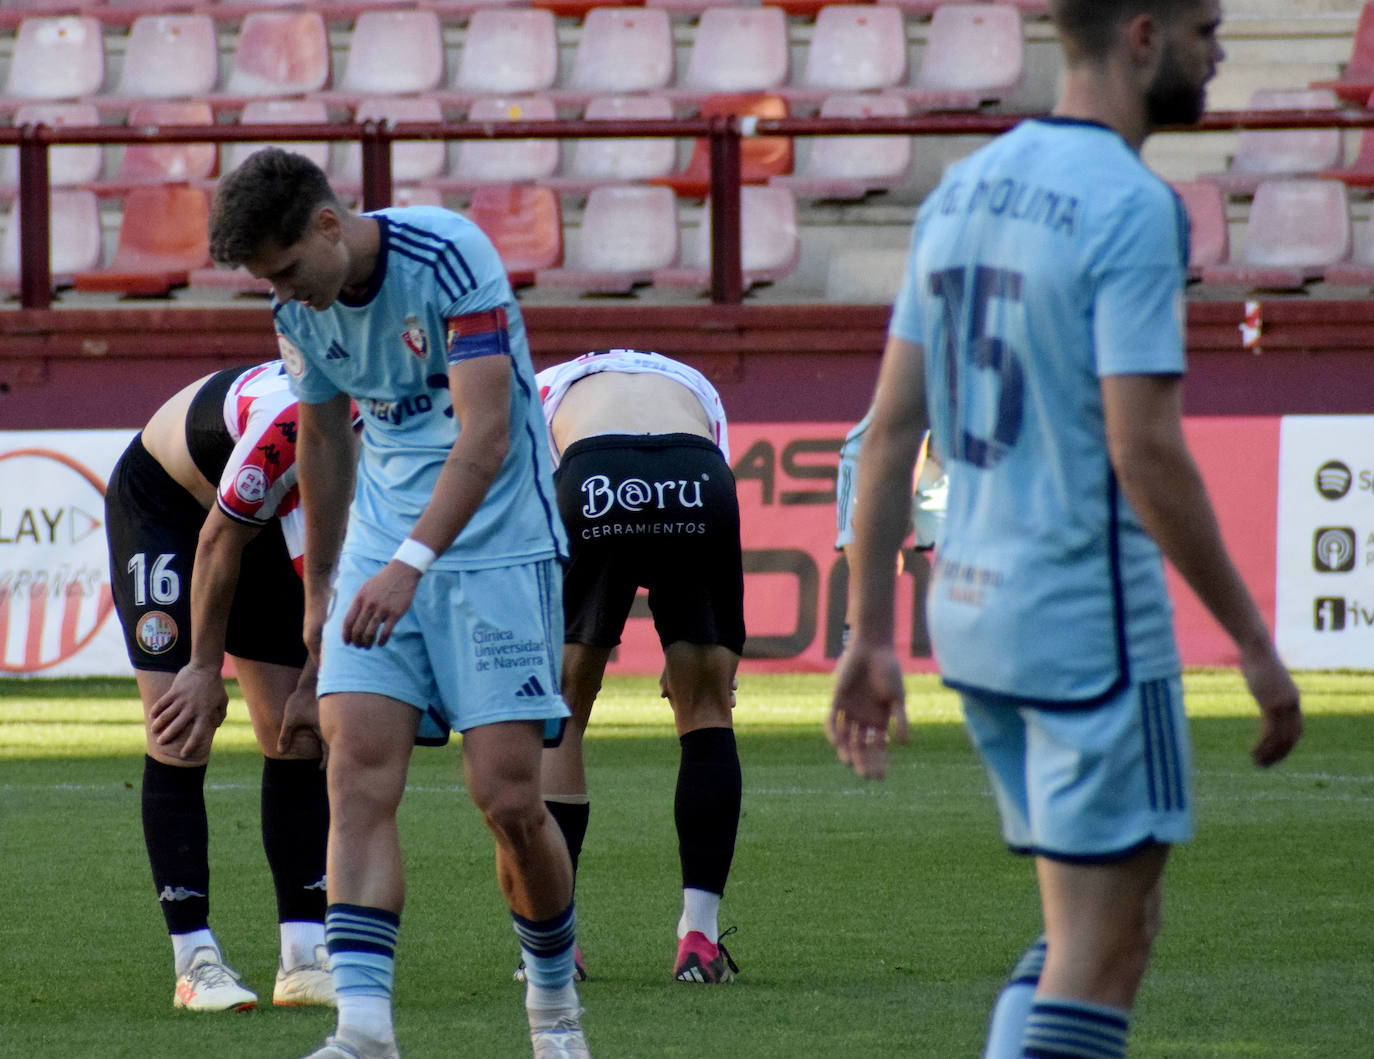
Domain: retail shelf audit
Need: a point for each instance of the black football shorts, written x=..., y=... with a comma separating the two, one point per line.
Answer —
x=657, y=511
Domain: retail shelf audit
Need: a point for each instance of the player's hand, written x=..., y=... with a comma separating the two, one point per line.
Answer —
x=190, y=711
x=300, y=727
x=868, y=691
x=379, y=604
x=1278, y=700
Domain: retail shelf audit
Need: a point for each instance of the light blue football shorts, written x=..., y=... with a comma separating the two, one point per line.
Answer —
x=476, y=647
x=1088, y=785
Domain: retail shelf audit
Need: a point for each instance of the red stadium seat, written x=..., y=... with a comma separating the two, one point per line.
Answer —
x=278, y=53
x=1264, y=154
x=506, y=52
x=849, y=167
x=59, y=57
x=167, y=57
x=279, y=112
x=162, y=237
x=974, y=54
x=164, y=163
x=770, y=242
x=854, y=48
x=411, y=160
x=1356, y=82
x=391, y=53
x=761, y=157
x=525, y=224
x=505, y=161
x=67, y=165
x=735, y=50
x=1209, y=238
x=74, y=238
x=608, y=161
x=619, y=50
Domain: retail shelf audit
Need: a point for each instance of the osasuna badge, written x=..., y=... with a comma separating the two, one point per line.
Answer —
x=291, y=357
x=415, y=338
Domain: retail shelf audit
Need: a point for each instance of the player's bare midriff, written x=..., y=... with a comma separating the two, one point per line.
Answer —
x=615, y=402
x=165, y=439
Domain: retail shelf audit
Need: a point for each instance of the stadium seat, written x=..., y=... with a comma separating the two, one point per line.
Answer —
x=761, y=157
x=1209, y=238
x=1264, y=154
x=411, y=161
x=854, y=48
x=278, y=53
x=59, y=57
x=627, y=232
x=279, y=112
x=848, y=167
x=505, y=161
x=164, y=163
x=1296, y=230
x=162, y=237
x=389, y=53
x=1357, y=272
x=506, y=52
x=67, y=165
x=770, y=243
x=74, y=241
x=1360, y=172
x=578, y=8
x=620, y=161
x=525, y=224
x=736, y=49
x=619, y=50
x=167, y=57
x=1356, y=82
x=974, y=54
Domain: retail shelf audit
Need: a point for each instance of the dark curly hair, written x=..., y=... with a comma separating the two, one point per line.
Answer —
x=267, y=201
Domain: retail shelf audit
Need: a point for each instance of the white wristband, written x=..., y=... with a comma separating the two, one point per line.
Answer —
x=416, y=554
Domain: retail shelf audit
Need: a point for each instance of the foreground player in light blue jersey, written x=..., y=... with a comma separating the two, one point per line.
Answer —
x=1041, y=318
x=442, y=603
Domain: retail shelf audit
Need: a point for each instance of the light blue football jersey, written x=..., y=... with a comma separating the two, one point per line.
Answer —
x=1043, y=262
x=389, y=351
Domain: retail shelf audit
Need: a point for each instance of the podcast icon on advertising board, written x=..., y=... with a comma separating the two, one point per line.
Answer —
x=1333, y=550
x=54, y=566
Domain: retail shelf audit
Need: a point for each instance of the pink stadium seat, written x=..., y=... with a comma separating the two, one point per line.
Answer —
x=736, y=49
x=620, y=161
x=1360, y=172
x=1263, y=154
x=164, y=163
x=168, y=57
x=854, y=48
x=627, y=232
x=67, y=165
x=411, y=160
x=1356, y=81
x=507, y=52
x=525, y=224
x=505, y=161
x=848, y=167
x=162, y=237
x=279, y=112
x=279, y=53
x=1297, y=229
x=391, y=52
x=74, y=242
x=1358, y=272
x=974, y=54
x=770, y=244
x=620, y=50
x=761, y=157
x=62, y=57
x=1209, y=239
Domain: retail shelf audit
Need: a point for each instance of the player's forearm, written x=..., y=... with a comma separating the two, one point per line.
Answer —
x=215, y=576
x=325, y=460
x=467, y=475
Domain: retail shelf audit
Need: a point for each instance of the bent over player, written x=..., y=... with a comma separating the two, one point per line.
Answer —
x=444, y=597
x=648, y=499
x=1041, y=319
x=204, y=525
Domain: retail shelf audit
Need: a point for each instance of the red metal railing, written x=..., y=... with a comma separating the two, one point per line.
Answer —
x=723, y=134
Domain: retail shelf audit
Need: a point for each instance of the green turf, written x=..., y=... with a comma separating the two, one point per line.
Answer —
x=874, y=919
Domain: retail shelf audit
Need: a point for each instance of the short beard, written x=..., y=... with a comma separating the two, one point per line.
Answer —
x=1170, y=99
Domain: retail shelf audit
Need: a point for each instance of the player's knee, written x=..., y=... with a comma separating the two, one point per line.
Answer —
x=516, y=818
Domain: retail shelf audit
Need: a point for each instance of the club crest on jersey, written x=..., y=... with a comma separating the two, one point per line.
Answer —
x=415, y=338
x=291, y=357
x=156, y=632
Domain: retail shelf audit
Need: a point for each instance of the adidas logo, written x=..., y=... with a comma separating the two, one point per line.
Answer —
x=531, y=689
x=180, y=893
x=336, y=352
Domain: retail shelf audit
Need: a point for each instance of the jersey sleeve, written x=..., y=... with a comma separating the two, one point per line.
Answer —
x=308, y=383
x=259, y=481
x=1138, y=308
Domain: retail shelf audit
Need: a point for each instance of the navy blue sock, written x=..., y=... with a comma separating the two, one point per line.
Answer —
x=177, y=835
x=295, y=827
x=706, y=807
x=1074, y=1029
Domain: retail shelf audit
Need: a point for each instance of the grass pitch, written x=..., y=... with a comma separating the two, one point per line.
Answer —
x=874, y=920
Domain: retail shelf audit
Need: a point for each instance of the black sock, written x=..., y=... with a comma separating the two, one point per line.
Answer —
x=706, y=807
x=295, y=829
x=178, y=840
x=571, y=818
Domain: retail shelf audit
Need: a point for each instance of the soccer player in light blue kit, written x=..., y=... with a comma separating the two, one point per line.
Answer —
x=442, y=603
x=1041, y=320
